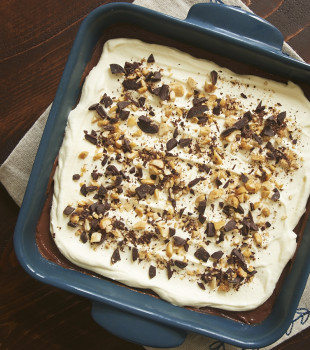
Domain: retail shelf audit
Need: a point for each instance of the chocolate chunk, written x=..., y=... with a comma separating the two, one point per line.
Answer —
x=76, y=177
x=83, y=190
x=106, y=100
x=202, y=207
x=131, y=67
x=267, y=131
x=202, y=254
x=164, y=92
x=201, y=285
x=276, y=194
x=68, y=210
x=134, y=253
x=228, y=131
x=259, y=107
x=102, y=207
x=156, y=76
x=280, y=118
x=93, y=107
x=131, y=84
x=194, y=182
x=185, y=142
x=169, y=270
x=239, y=257
x=243, y=121
x=119, y=224
x=115, y=256
x=202, y=219
x=126, y=145
x=91, y=188
x=112, y=169
x=143, y=190
x=216, y=110
x=210, y=229
x=243, y=95
x=101, y=112
x=116, y=68
x=104, y=160
x=118, y=180
x=172, y=143
x=102, y=191
x=230, y=225
x=141, y=101
x=122, y=104
x=198, y=101
x=94, y=223
x=171, y=231
x=151, y=59
x=217, y=255
x=221, y=237
x=214, y=76
x=178, y=241
x=197, y=111
x=175, y=132
x=180, y=264
x=218, y=182
x=257, y=138
x=146, y=125
x=123, y=115
x=244, y=178
x=152, y=271
x=84, y=237
x=90, y=138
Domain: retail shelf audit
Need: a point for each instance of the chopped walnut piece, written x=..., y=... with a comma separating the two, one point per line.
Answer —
x=140, y=225
x=258, y=238
x=83, y=155
x=216, y=193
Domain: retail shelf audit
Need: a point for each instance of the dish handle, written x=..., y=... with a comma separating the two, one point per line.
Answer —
x=234, y=21
x=136, y=329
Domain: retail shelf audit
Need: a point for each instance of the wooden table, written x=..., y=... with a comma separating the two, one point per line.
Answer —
x=35, y=41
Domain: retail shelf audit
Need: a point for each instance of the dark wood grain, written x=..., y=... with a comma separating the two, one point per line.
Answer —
x=36, y=37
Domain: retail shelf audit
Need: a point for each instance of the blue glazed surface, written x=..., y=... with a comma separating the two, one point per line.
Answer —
x=210, y=26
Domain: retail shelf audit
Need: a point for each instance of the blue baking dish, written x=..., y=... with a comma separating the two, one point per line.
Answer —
x=135, y=316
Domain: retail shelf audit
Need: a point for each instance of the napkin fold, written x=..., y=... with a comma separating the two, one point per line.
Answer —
x=15, y=172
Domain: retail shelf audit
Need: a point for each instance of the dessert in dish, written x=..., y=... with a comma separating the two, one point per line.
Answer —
x=179, y=176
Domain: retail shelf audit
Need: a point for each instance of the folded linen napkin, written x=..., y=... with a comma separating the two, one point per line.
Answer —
x=15, y=171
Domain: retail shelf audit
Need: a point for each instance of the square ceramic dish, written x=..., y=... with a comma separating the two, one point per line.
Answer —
x=135, y=316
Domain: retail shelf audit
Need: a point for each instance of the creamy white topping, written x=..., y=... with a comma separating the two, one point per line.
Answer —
x=250, y=183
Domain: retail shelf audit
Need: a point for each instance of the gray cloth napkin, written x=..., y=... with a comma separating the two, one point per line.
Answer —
x=15, y=171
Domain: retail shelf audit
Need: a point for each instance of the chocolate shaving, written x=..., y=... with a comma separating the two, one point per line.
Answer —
x=202, y=254
x=169, y=270
x=126, y=146
x=236, y=253
x=201, y=285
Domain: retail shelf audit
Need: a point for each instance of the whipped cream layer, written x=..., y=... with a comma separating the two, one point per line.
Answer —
x=178, y=175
